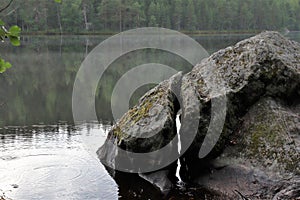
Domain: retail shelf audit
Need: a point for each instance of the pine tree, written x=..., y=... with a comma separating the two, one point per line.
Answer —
x=190, y=16
x=177, y=14
x=152, y=12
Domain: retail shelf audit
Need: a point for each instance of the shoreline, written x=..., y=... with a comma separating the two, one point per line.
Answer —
x=200, y=33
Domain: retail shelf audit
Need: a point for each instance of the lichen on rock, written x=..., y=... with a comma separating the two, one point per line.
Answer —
x=264, y=162
x=272, y=140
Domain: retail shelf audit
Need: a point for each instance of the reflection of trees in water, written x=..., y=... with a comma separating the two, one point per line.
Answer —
x=39, y=86
x=127, y=62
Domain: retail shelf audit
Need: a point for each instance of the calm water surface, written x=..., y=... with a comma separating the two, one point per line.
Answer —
x=43, y=155
x=52, y=162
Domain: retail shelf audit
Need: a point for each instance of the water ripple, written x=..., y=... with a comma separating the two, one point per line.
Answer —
x=52, y=167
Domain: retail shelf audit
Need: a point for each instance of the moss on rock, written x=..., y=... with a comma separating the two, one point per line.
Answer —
x=268, y=139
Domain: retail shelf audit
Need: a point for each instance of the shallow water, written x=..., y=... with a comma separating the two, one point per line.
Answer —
x=56, y=159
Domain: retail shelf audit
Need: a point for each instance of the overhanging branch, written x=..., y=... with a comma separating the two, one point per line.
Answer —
x=4, y=8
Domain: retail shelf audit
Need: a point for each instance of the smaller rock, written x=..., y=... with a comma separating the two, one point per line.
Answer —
x=264, y=162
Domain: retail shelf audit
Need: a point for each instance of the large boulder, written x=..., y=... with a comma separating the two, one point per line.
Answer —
x=147, y=127
x=244, y=98
x=266, y=65
x=150, y=124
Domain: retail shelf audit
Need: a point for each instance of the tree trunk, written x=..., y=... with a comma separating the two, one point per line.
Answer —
x=84, y=11
x=59, y=20
x=120, y=17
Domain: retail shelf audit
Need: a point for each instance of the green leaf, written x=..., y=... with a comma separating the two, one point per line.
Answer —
x=15, y=31
x=4, y=65
x=7, y=65
x=14, y=36
x=15, y=41
x=57, y=1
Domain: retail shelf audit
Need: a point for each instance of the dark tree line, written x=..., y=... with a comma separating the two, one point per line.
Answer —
x=117, y=15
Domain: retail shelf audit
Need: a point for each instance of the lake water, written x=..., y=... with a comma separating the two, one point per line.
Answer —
x=43, y=155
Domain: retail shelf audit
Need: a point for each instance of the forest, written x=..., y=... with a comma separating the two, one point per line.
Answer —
x=105, y=16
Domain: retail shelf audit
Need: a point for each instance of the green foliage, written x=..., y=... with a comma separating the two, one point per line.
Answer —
x=4, y=65
x=14, y=36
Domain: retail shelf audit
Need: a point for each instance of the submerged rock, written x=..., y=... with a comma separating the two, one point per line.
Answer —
x=159, y=179
x=244, y=98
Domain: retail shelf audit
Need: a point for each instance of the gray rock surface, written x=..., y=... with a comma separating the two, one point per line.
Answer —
x=159, y=179
x=264, y=161
x=266, y=65
x=148, y=126
x=258, y=149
